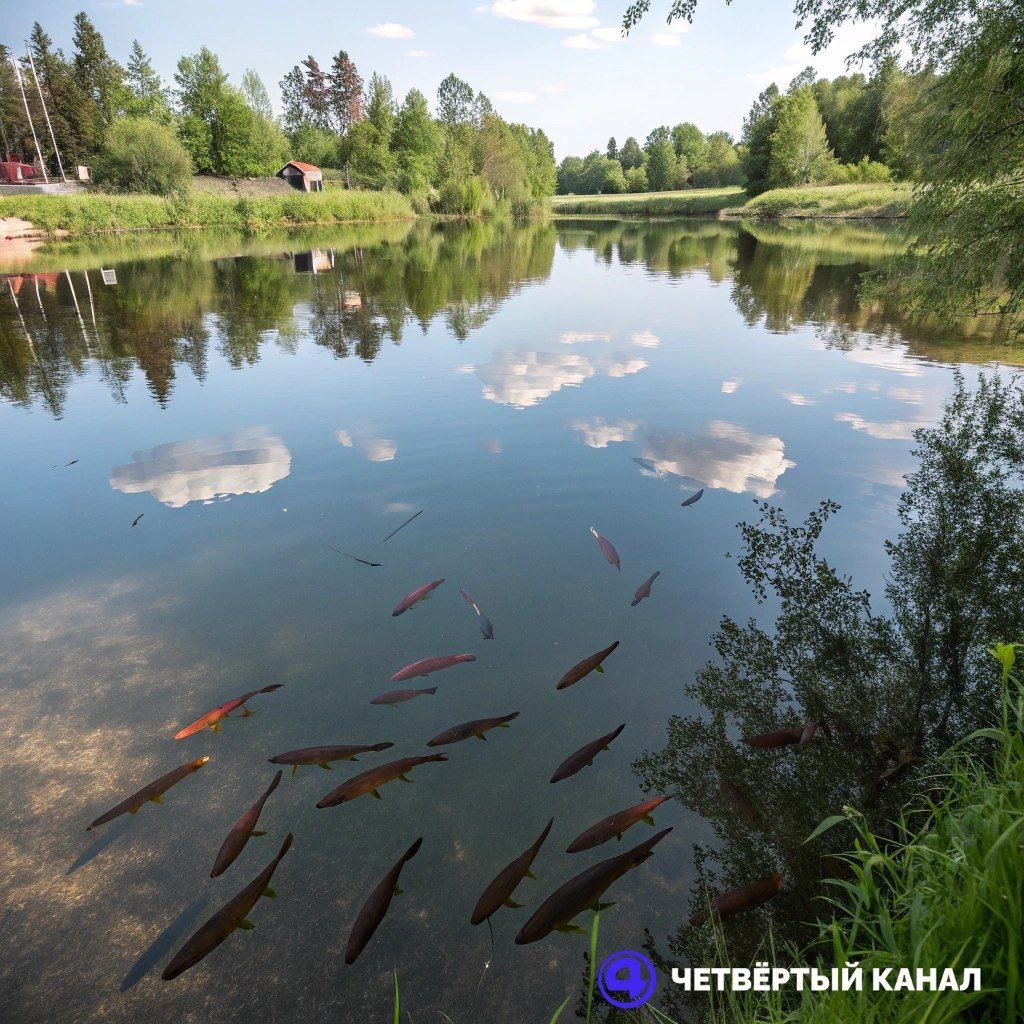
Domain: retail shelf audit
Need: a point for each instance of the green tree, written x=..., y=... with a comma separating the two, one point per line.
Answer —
x=539, y=158
x=256, y=95
x=65, y=102
x=368, y=144
x=501, y=160
x=612, y=150
x=200, y=83
x=100, y=81
x=244, y=144
x=631, y=155
x=318, y=94
x=800, y=153
x=570, y=176
x=636, y=180
x=142, y=155
x=346, y=92
x=313, y=145
x=293, y=99
x=454, y=102
x=417, y=143
x=148, y=95
x=661, y=161
x=690, y=145
x=722, y=163
x=758, y=129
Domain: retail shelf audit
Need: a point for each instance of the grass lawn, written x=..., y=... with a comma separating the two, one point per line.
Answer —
x=689, y=202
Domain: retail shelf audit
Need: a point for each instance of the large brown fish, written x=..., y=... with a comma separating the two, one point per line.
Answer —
x=738, y=900
x=615, y=825
x=428, y=665
x=234, y=914
x=585, y=667
x=607, y=549
x=376, y=906
x=585, y=755
x=154, y=791
x=240, y=832
x=211, y=720
x=393, y=697
x=740, y=801
x=644, y=590
x=583, y=892
x=475, y=728
x=499, y=892
x=371, y=781
x=775, y=738
x=417, y=595
x=323, y=756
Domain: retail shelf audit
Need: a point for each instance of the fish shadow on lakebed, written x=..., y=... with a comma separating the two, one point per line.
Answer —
x=160, y=948
x=107, y=837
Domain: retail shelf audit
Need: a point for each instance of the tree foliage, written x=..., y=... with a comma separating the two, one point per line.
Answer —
x=143, y=155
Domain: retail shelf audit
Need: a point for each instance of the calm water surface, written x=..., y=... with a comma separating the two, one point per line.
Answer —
x=519, y=386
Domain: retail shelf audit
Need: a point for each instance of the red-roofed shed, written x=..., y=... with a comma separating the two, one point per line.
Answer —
x=304, y=177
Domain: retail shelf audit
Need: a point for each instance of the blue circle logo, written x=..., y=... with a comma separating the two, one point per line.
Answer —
x=627, y=979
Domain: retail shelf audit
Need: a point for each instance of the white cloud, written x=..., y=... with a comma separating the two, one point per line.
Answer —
x=912, y=396
x=830, y=63
x=599, y=433
x=795, y=398
x=582, y=337
x=133, y=3
x=624, y=367
x=516, y=96
x=645, y=339
x=417, y=53
x=376, y=449
x=554, y=89
x=724, y=455
x=607, y=35
x=207, y=469
x=391, y=30
x=584, y=42
x=665, y=39
x=522, y=378
x=557, y=14
x=729, y=387
x=889, y=430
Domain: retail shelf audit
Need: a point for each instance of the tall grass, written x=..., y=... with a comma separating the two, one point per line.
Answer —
x=691, y=202
x=97, y=213
x=947, y=891
x=875, y=199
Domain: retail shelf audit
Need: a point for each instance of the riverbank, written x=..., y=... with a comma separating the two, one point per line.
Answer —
x=883, y=200
x=943, y=892
x=97, y=213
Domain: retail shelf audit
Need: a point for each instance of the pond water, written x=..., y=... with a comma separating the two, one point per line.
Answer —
x=259, y=404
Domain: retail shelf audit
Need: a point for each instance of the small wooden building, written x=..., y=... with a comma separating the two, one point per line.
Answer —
x=304, y=177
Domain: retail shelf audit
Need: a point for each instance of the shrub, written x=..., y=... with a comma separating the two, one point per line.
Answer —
x=142, y=155
x=865, y=171
x=636, y=180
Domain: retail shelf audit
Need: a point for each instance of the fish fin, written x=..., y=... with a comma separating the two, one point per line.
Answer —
x=326, y=767
x=246, y=712
x=574, y=928
x=356, y=759
x=158, y=799
x=600, y=668
x=399, y=891
x=511, y=903
x=530, y=874
x=605, y=906
x=270, y=893
x=480, y=736
x=404, y=778
x=216, y=726
x=618, y=837
x=503, y=725
x=246, y=924
x=648, y=818
x=295, y=770
x=376, y=794
x=258, y=832
x=133, y=810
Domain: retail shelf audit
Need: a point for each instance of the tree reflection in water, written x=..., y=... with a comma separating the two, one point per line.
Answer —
x=894, y=688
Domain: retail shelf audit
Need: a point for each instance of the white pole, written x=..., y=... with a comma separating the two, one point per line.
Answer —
x=46, y=114
x=28, y=114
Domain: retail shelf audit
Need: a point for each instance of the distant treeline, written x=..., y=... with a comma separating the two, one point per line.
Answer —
x=850, y=128
x=141, y=134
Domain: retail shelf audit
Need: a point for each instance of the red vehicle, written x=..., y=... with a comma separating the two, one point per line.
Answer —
x=12, y=172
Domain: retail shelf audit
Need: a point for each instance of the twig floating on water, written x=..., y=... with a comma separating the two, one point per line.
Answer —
x=137, y=518
x=363, y=561
x=403, y=526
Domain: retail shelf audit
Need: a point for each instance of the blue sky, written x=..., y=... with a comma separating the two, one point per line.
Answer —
x=557, y=64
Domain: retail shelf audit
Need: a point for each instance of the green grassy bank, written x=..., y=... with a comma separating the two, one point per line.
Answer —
x=883, y=200
x=946, y=889
x=96, y=212
x=688, y=203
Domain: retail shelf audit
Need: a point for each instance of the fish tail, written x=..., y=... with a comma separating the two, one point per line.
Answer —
x=412, y=851
x=277, y=782
x=285, y=847
x=431, y=690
